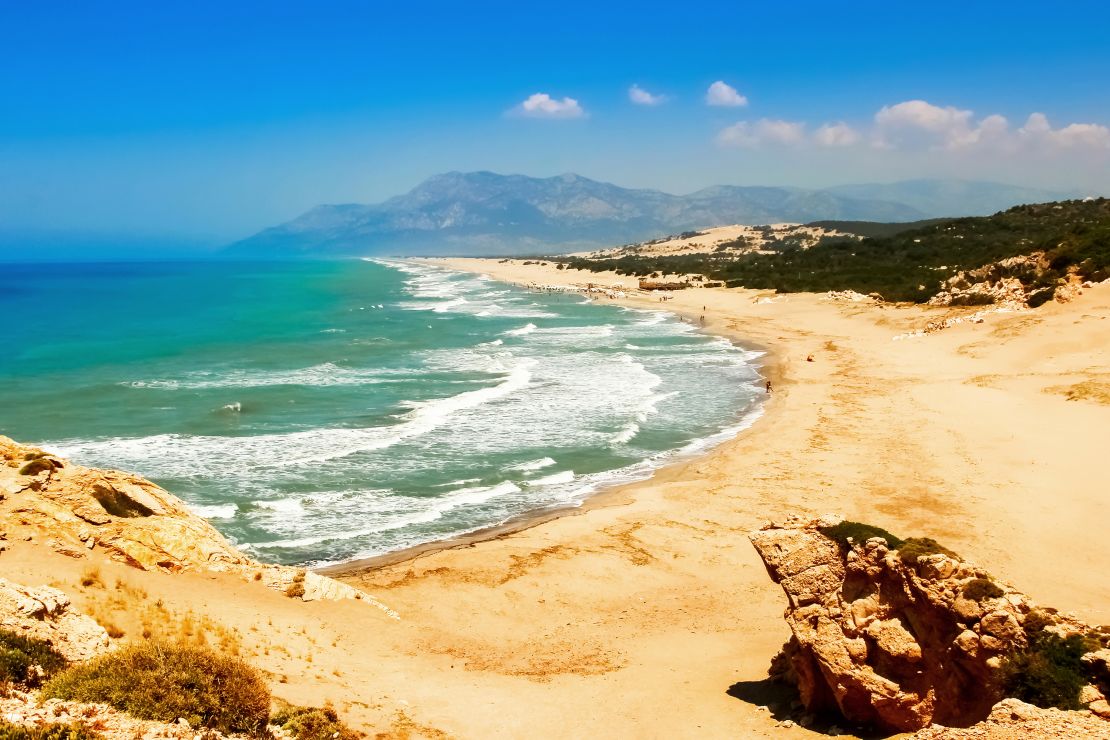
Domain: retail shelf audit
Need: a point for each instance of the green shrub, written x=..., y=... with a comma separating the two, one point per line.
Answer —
x=858, y=533
x=8, y=731
x=36, y=465
x=1049, y=673
x=1035, y=621
x=162, y=681
x=978, y=589
x=20, y=654
x=918, y=547
x=309, y=723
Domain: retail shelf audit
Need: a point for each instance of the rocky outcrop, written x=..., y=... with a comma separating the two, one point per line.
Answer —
x=74, y=510
x=1011, y=719
x=893, y=641
x=1013, y=282
x=44, y=613
x=30, y=711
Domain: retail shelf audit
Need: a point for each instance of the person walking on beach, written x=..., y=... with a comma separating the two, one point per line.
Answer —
x=768, y=387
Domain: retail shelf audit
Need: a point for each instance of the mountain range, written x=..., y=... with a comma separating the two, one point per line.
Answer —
x=483, y=213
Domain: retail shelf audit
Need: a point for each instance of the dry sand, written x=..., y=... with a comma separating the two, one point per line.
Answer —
x=708, y=239
x=634, y=617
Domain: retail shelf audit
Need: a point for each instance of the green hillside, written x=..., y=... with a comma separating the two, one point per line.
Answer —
x=909, y=266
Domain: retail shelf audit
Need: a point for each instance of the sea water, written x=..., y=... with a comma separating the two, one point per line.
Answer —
x=322, y=411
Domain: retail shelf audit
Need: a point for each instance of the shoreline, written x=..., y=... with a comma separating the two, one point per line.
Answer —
x=594, y=622
x=615, y=494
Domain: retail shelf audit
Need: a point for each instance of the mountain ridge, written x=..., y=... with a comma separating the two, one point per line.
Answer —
x=459, y=213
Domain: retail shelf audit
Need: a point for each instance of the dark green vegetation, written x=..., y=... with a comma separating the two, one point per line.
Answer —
x=162, y=682
x=909, y=550
x=858, y=533
x=24, y=659
x=978, y=589
x=1048, y=673
x=36, y=465
x=874, y=229
x=910, y=265
x=307, y=723
x=918, y=547
x=9, y=731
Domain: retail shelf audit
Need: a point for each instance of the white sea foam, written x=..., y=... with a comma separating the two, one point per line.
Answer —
x=521, y=331
x=325, y=374
x=625, y=435
x=186, y=454
x=565, y=476
x=527, y=467
x=421, y=510
x=214, y=511
x=282, y=506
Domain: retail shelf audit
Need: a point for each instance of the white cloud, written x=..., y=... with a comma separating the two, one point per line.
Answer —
x=917, y=122
x=1035, y=125
x=763, y=131
x=1037, y=130
x=725, y=95
x=542, y=105
x=836, y=134
x=640, y=96
x=923, y=115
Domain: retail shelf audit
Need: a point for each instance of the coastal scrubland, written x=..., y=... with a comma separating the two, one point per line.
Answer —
x=1072, y=237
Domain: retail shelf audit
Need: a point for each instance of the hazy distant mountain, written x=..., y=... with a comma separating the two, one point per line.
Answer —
x=953, y=197
x=487, y=213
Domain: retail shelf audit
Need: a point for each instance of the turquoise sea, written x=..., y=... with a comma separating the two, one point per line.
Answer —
x=318, y=412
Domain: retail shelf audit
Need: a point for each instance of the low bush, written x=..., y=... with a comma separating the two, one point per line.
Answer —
x=36, y=465
x=918, y=547
x=296, y=588
x=310, y=723
x=23, y=660
x=858, y=533
x=978, y=589
x=9, y=731
x=1035, y=621
x=1049, y=673
x=163, y=681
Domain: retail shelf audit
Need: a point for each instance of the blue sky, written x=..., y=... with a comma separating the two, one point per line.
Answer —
x=199, y=123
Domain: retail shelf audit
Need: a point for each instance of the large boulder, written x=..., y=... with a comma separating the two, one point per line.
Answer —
x=896, y=643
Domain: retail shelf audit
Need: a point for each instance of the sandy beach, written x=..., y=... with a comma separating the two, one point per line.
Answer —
x=647, y=612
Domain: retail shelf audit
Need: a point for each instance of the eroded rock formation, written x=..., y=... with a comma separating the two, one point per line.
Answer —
x=1014, y=282
x=74, y=510
x=44, y=613
x=129, y=517
x=892, y=642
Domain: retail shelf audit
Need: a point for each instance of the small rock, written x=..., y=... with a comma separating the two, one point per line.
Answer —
x=1090, y=694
